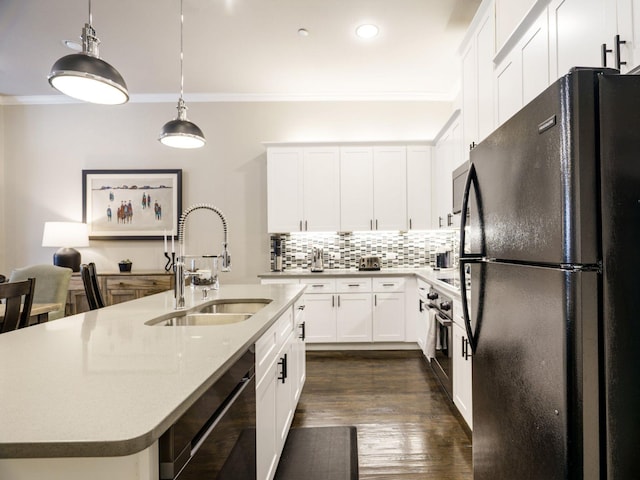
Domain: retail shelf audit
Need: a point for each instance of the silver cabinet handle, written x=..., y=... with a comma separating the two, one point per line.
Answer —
x=300, y=225
x=338, y=300
x=375, y=300
x=333, y=301
x=353, y=285
x=389, y=285
x=305, y=226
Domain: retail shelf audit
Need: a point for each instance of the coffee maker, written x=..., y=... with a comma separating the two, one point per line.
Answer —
x=277, y=254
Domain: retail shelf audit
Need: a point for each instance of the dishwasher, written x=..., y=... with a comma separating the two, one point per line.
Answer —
x=215, y=438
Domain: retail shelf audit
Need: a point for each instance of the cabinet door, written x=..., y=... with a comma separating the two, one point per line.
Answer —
x=462, y=388
x=299, y=365
x=508, y=87
x=627, y=25
x=321, y=189
x=469, y=98
x=354, y=317
x=266, y=431
x=485, y=50
x=320, y=317
x=419, y=187
x=576, y=32
x=390, y=188
x=388, y=317
x=284, y=393
x=284, y=189
x=356, y=189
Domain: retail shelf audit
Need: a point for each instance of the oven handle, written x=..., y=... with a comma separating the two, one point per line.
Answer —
x=240, y=388
x=443, y=320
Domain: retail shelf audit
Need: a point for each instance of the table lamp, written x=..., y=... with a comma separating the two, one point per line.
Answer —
x=66, y=235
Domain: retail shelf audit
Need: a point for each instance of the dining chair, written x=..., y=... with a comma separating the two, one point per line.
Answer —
x=91, y=286
x=52, y=285
x=18, y=298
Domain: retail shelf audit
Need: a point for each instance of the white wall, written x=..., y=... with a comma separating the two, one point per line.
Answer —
x=48, y=146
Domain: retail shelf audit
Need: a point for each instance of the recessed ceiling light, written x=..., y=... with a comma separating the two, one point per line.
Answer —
x=303, y=32
x=72, y=45
x=367, y=31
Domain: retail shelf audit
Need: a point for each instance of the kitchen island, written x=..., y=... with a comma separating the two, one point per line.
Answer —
x=88, y=396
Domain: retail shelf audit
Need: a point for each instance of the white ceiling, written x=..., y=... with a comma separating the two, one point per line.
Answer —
x=243, y=48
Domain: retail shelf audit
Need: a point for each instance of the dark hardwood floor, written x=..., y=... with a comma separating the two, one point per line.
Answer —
x=406, y=427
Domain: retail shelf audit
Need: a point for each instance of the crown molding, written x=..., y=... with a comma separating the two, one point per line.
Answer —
x=245, y=97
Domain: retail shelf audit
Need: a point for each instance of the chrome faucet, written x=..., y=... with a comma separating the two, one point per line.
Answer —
x=225, y=257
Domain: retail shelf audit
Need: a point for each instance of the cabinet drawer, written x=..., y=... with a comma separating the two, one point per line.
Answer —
x=319, y=285
x=388, y=284
x=354, y=285
x=155, y=283
x=268, y=345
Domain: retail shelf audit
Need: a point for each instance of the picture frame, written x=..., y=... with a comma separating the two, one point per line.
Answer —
x=131, y=204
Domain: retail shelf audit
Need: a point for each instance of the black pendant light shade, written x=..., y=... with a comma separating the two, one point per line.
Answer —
x=180, y=132
x=88, y=78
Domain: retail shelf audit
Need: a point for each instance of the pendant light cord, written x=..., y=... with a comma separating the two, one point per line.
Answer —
x=181, y=51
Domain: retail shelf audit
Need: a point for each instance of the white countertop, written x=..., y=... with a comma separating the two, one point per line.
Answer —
x=103, y=383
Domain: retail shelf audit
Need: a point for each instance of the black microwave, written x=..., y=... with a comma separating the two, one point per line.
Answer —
x=459, y=178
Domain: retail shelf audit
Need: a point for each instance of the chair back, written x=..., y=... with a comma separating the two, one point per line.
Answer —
x=91, y=287
x=52, y=285
x=18, y=298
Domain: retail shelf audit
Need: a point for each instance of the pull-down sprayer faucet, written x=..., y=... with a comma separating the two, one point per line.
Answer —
x=226, y=259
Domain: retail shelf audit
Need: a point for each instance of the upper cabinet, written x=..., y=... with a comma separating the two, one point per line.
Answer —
x=622, y=47
x=447, y=157
x=419, y=187
x=477, y=79
x=577, y=30
x=390, y=188
x=348, y=188
x=303, y=189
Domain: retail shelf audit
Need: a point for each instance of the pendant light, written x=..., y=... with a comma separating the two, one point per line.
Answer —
x=180, y=132
x=86, y=76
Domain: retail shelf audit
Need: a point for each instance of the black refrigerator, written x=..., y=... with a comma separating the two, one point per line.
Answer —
x=550, y=234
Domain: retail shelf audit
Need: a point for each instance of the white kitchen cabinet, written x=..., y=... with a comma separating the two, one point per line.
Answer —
x=624, y=20
x=299, y=363
x=320, y=317
x=277, y=384
x=478, y=80
x=462, y=374
x=524, y=72
x=577, y=29
x=303, y=189
x=419, y=187
x=354, y=317
x=284, y=189
x=388, y=309
x=447, y=157
x=356, y=188
x=390, y=188
x=321, y=189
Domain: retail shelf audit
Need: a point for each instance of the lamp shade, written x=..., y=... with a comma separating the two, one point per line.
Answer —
x=89, y=79
x=181, y=134
x=65, y=234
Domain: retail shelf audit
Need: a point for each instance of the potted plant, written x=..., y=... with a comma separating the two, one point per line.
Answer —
x=125, y=265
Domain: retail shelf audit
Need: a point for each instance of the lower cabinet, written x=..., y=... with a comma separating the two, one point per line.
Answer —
x=462, y=371
x=388, y=310
x=280, y=375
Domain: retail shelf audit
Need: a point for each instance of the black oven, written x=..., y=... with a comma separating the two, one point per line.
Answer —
x=215, y=438
x=442, y=363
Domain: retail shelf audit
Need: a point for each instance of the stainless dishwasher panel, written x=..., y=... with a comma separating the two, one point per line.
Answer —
x=216, y=432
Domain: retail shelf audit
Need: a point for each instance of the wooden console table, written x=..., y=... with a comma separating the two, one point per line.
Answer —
x=117, y=288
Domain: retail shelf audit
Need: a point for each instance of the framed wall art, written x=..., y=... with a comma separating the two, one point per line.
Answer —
x=131, y=204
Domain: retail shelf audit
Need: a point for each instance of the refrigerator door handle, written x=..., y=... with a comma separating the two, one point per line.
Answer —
x=464, y=258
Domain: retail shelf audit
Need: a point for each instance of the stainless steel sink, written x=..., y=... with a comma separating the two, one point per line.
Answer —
x=250, y=306
x=222, y=312
x=201, y=319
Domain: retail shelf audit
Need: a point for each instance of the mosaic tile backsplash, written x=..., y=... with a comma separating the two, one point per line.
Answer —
x=343, y=250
